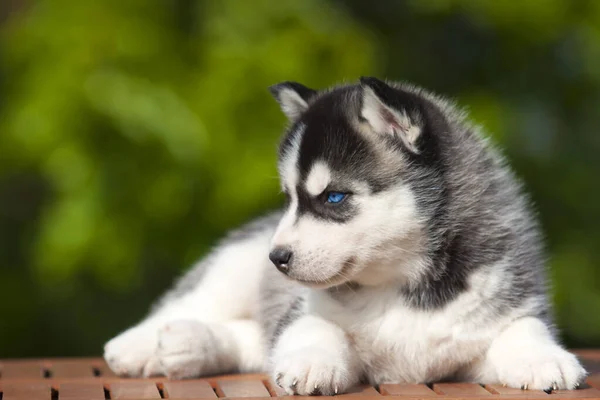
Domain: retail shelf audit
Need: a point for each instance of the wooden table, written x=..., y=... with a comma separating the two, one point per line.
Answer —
x=90, y=379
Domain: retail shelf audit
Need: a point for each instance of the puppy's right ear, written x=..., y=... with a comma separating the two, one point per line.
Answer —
x=292, y=97
x=391, y=112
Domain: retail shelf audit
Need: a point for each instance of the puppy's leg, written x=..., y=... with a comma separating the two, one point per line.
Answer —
x=313, y=356
x=221, y=288
x=189, y=348
x=525, y=355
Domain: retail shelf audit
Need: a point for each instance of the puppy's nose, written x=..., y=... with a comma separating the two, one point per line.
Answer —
x=281, y=257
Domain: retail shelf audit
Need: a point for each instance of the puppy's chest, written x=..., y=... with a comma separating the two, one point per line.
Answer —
x=400, y=344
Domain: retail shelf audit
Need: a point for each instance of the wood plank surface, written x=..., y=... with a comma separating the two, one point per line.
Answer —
x=594, y=381
x=406, y=390
x=363, y=390
x=188, y=389
x=460, y=389
x=81, y=391
x=26, y=391
x=512, y=392
x=100, y=368
x=254, y=388
x=134, y=390
x=274, y=389
x=589, y=393
x=71, y=369
x=22, y=369
x=87, y=378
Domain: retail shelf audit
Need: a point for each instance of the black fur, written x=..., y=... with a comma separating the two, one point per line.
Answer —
x=304, y=92
x=460, y=240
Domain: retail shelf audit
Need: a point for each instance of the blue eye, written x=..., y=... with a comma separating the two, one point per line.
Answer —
x=335, y=197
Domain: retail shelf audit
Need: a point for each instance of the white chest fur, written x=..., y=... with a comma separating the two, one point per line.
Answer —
x=399, y=344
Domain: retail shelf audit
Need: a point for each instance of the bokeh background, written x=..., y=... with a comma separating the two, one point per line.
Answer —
x=134, y=133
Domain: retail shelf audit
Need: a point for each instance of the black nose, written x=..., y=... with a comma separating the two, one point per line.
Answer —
x=281, y=258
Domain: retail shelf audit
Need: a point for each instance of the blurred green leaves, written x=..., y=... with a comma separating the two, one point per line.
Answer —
x=151, y=131
x=133, y=134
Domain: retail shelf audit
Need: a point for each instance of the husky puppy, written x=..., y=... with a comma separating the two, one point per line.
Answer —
x=406, y=252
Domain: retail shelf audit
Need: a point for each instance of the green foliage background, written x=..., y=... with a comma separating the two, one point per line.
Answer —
x=134, y=133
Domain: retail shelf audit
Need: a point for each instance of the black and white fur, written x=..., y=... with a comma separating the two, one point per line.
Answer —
x=430, y=269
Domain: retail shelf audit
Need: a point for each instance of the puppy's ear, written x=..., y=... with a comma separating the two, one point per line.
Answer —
x=391, y=112
x=292, y=97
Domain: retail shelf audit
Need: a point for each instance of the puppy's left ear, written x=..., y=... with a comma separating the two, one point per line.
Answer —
x=292, y=97
x=391, y=111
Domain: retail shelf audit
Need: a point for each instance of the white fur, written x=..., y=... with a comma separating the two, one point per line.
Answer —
x=288, y=169
x=223, y=302
x=334, y=344
x=318, y=178
x=131, y=352
x=328, y=253
x=288, y=162
x=526, y=355
x=343, y=335
x=188, y=349
x=399, y=344
x=292, y=104
x=313, y=355
x=322, y=250
x=374, y=111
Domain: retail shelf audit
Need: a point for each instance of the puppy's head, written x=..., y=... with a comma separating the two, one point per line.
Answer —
x=351, y=163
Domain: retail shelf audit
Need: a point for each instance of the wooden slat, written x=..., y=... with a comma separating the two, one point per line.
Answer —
x=188, y=389
x=80, y=391
x=460, y=389
x=134, y=390
x=406, y=390
x=590, y=354
x=268, y=398
x=274, y=389
x=594, y=381
x=22, y=369
x=363, y=390
x=252, y=388
x=102, y=368
x=26, y=391
x=71, y=369
x=590, y=393
x=512, y=392
x=74, y=380
x=237, y=377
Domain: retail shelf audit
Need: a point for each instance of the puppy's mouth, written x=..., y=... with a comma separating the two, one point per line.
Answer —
x=343, y=275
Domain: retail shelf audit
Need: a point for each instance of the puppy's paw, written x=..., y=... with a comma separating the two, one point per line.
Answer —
x=313, y=371
x=131, y=352
x=187, y=349
x=541, y=367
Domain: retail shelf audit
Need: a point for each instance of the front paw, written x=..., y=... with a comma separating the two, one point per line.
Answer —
x=541, y=367
x=187, y=349
x=313, y=371
x=131, y=353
